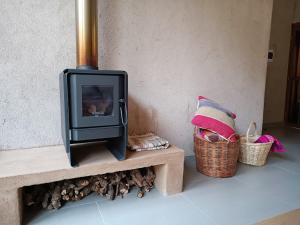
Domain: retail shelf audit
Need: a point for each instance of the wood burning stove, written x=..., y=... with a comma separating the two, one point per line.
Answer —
x=93, y=102
x=94, y=108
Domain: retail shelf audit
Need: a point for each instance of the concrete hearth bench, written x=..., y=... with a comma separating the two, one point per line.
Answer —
x=19, y=168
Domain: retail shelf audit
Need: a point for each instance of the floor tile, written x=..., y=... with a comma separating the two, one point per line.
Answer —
x=268, y=177
x=234, y=203
x=152, y=209
x=191, y=175
x=82, y=215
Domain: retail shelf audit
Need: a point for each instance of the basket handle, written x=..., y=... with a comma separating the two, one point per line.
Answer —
x=252, y=124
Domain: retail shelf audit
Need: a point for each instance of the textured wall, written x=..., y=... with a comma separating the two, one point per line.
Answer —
x=37, y=41
x=285, y=12
x=172, y=50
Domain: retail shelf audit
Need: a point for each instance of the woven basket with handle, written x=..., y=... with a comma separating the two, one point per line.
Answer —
x=216, y=159
x=253, y=153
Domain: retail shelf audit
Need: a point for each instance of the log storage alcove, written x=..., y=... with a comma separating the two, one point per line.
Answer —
x=19, y=168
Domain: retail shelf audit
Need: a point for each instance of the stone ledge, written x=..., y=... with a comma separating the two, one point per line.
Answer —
x=19, y=168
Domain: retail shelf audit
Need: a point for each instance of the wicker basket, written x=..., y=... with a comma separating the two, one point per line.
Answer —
x=217, y=159
x=253, y=153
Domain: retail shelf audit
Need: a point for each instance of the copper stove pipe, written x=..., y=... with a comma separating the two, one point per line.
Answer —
x=86, y=34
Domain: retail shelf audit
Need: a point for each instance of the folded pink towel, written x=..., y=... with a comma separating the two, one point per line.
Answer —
x=276, y=146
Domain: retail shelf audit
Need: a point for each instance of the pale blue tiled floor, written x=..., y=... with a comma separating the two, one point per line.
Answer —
x=254, y=194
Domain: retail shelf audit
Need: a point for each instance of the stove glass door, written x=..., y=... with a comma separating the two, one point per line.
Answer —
x=94, y=100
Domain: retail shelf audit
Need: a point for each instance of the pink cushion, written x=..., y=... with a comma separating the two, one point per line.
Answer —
x=216, y=119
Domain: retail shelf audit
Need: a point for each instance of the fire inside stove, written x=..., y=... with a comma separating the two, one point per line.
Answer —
x=97, y=101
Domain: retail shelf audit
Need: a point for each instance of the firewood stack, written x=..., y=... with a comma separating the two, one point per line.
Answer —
x=54, y=195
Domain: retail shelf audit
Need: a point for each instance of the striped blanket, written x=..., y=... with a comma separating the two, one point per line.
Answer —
x=147, y=142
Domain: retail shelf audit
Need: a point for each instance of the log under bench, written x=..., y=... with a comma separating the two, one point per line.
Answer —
x=19, y=168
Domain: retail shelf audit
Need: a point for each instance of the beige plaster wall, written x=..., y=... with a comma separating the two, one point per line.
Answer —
x=285, y=12
x=172, y=50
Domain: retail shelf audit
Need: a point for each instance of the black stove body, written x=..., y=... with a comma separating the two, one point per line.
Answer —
x=94, y=108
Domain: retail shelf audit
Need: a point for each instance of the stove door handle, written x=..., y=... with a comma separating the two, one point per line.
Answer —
x=124, y=122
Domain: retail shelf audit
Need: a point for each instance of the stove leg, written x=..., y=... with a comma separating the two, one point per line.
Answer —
x=117, y=147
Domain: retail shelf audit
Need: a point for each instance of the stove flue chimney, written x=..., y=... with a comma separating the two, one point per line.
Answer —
x=86, y=34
